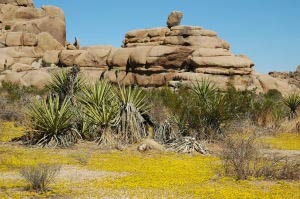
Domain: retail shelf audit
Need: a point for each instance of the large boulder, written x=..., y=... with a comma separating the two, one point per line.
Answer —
x=67, y=57
x=47, y=42
x=51, y=57
x=174, y=19
x=36, y=78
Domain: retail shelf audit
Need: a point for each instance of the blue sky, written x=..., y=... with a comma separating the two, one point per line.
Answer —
x=268, y=31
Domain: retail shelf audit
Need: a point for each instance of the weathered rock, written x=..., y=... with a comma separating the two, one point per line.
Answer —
x=176, y=57
x=174, y=19
x=191, y=32
x=71, y=47
x=266, y=83
x=14, y=77
x=224, y=71
x=138, y=56
x=26, y=3
x=95, y=56
x=47, y=42
x=222, y=61
x=211, y=52
x=29, y=13
x=201, y=41
x=150, y=144
x=5, y=61
x=14, y=39
x=120, y=57
x=18, y=67
x=67, y=57
x=36, y=78
x=51, y=57
x=54, y=12
x=29, y=39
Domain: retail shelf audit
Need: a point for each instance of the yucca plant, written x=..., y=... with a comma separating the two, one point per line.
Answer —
x=52, y=123
x=292, y=101
x=133, y=107
x=212, y=105
x=100, y=110
x=66, y=83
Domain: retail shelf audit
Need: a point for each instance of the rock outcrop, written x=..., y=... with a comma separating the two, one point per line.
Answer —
x=33, y=44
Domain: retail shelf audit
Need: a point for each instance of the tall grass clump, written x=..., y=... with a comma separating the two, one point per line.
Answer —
x=40, y=176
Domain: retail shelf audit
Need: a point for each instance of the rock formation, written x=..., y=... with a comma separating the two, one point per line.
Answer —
x=33, y=44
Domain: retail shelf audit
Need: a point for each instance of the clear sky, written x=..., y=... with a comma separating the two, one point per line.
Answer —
x=268, y=31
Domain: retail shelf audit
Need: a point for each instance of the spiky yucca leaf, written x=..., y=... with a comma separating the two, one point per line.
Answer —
x=204, y=89
x=97, y=94
x=292, y=101
x=134, y=96
x=51, y=123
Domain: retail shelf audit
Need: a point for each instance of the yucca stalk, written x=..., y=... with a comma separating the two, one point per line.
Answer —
x=292, y=101
x=51, y=123
x=133, y=106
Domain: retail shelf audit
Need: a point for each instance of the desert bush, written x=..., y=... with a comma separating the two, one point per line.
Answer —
x=237, y=155
x=242, y=159
x=13, y=100
x=277, y=168
x=292, y=101
x=7, y=27
x=15, y=92
x=52, y=123
x=40, y=176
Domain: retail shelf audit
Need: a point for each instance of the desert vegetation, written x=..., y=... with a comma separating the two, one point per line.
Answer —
x=192, y=142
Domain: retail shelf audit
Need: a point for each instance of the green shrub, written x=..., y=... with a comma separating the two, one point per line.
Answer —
x=7, y=27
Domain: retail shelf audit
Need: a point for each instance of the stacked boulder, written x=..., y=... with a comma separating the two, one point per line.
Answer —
x=177, y=54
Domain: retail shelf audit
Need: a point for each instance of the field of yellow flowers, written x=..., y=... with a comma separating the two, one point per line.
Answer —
x=88, y=172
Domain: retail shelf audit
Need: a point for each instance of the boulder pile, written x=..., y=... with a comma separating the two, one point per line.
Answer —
x=33, y=44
